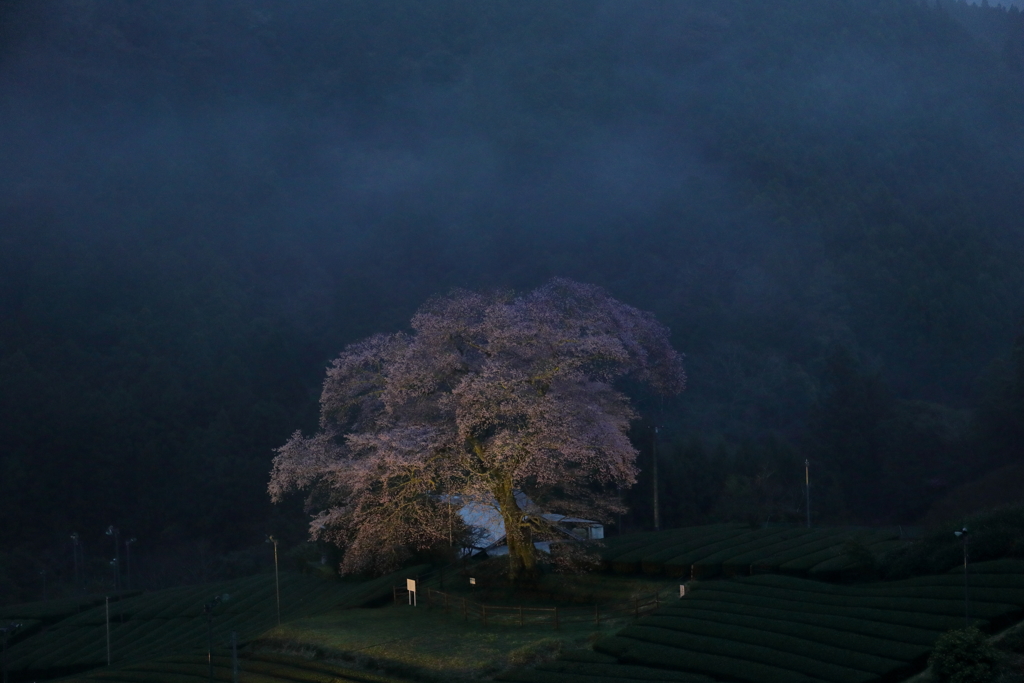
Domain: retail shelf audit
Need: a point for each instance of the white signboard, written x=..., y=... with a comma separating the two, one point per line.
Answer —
x=410, y=585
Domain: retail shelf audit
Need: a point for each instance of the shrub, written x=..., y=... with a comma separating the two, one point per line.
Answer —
x=964, y=656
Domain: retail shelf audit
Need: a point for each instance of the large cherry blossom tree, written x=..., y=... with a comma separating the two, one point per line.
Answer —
x=489, y=395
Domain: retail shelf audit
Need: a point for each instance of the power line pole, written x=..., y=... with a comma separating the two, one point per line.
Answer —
x=807, y=489
x=654, y=472
x=962, y=535
x=277, y=580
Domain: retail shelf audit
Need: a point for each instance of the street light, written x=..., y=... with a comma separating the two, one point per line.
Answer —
x=277, y=580
x=128, y=561
x=115, y=533
x=962, y=535
x=208, y=611
x=6, y=631
x=113, y=566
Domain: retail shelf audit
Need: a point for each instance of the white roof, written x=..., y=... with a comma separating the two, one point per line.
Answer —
x=486, y=515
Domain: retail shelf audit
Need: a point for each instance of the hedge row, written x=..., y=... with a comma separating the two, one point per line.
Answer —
x=737, y=550
x=599, y=673
x=619, y=672
x=951, y=604
x=252, y=669
x=628, y=650
x=814, y=664
x=149, y=625
x=745, y=625
x=937, y=622
x=826, y=619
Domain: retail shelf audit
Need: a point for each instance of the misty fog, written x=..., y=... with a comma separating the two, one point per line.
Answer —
x=202, y=203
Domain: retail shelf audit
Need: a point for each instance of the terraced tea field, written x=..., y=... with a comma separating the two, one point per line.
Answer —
x=252, y=668
x=737, y=550
x=780, y=629
x=173, y=621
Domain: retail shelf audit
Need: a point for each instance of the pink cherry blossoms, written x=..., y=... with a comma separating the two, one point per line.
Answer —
x=489, y=395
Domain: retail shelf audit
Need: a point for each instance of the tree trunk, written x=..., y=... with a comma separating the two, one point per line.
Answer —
x=521, y=553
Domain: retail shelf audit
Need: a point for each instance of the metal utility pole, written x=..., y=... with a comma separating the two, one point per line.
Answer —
x=234, y=657
x=208, y=611
x=807, y=489
x=107, y=599
x=115, y=533
x=962, y=535
x=654, y=472
x=277, y=580
x=75, y=545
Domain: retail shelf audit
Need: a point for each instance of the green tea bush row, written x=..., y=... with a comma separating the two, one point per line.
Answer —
x=631, y=561
x=620, y=672
x=934, y=622
x=807, y=664
x=664, y=550
x=607, y=673
x=80, y=640
x=815, y=633
x=335, y=670
x=727, y=667
x=801, y=547
x=652, y=560
x=854, y=626
x=778, y=543
x=704, y=552
x=952, y=605
x=853, y=564
x=713, y=564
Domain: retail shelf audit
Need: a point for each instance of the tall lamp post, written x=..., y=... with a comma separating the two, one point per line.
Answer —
x=277, y=580
x=6, y=631
x=115, y=533
x=962, y=535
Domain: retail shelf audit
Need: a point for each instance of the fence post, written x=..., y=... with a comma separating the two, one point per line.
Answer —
x=465, y=613
x=556, y=617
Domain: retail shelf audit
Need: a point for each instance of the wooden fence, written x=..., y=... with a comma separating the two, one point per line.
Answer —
x=520, y=615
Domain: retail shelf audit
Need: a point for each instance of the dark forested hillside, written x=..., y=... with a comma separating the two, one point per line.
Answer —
x=202, y=202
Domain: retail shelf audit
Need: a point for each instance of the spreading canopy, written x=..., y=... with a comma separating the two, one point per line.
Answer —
x=489, y=394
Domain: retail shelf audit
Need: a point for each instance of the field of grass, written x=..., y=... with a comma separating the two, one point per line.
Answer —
x=768, y=628
x=705, y=552
x=170, y=621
